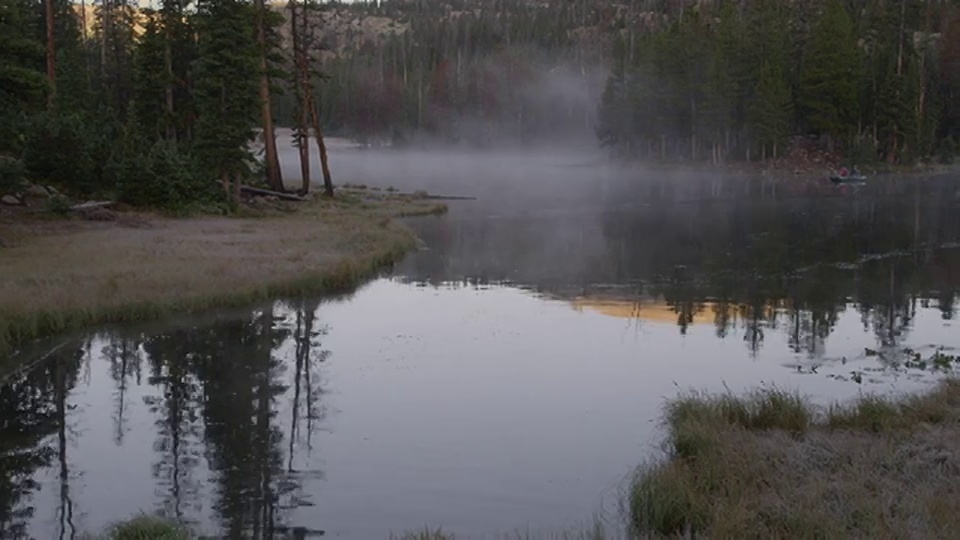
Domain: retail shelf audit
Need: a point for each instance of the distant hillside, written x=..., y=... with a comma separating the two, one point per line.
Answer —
x=702, y=80
x=485, y=71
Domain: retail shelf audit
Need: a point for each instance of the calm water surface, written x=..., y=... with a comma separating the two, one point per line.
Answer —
x=508, y=376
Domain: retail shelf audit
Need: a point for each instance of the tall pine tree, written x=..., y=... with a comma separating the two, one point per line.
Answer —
x=227, y=101
x=828, y=83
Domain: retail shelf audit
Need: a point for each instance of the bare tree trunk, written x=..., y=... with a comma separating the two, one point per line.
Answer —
x=118, y=57
x=225, y=182
x=420, y=101
x=274, y=179
x=903, y=16
x=303, y=147
x=83, y=23
x=321, y=147
x=168, y=86
x=51, y=54
x=311, y=107
x=107, y=8
x=302, y=80
x=236, y=190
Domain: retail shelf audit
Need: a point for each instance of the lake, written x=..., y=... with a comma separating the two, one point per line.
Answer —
x=507, y=376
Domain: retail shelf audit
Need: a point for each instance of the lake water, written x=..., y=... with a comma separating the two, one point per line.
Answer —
x=508, y=376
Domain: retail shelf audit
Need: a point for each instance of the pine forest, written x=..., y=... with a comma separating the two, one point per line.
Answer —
x=157, y=106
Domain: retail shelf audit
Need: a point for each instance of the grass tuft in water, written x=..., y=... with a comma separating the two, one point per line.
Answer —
x=692, y=420
x=147, y=528
x=760, y=410
x=597, y=532
x=770, y=465
x=425, y=534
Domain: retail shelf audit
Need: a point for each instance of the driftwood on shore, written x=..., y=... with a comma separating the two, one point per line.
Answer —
x=250, y=190
x=90, y=205
x=421, y=195
x=267, y=192
x=448, y=198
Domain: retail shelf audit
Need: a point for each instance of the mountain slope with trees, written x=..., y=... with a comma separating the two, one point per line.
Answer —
x=155, y=106
x=714, y=81
x=729, y=80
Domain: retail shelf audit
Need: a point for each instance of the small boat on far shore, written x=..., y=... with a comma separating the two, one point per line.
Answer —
x=845, y=176
x=856, y=179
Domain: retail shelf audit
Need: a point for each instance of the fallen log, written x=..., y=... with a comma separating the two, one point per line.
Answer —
x=90, y=205
x=448, y=198
x=267, y=192
x=419, y=195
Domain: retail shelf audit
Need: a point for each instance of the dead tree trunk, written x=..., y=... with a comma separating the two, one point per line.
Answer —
x=51, y=54
x=302, y=79
x=310, y=106
x=321, y=147
x=225, y=182
x=274, y=179
x=236, y=191
x=168, y=85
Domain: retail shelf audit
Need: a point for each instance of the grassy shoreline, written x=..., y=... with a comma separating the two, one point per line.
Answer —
x=771, y=465
x=66, y=275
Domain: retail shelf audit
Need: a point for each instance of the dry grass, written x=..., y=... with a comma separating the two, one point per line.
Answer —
x=147, y=528
x=772, y=466
x=66, y=275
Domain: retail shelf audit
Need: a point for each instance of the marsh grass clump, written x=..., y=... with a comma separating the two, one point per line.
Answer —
x=597, y=531
x=147, y=528
x=771, y=465
x=425, y=534
x=424, y=209
x=760, y=410
x=693, y=419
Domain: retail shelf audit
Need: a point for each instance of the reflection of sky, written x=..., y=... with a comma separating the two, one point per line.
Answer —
x=481, y=410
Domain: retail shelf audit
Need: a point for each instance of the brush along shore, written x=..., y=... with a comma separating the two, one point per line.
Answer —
x=58, y=275
x=771, y=465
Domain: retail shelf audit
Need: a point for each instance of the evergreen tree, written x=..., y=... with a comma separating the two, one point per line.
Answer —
x=115, y=28
x=614, y=115
x=828, y=85
x=179, y=53
x=150, y=80
x=23, y=87
x=226, y=75
x=771, y=110
x=949, y=70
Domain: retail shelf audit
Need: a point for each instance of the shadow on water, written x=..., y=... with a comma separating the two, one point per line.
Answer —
x=789, y=261
x=225, y=423
x=212, y=394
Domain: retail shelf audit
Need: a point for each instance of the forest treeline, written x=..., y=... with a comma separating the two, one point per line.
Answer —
x=152, y=107
x=158, y=106
x=718, y=80
x=735, y=80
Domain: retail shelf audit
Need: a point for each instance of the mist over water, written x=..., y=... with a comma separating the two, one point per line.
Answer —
x=536, y=176
x=508, y=375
